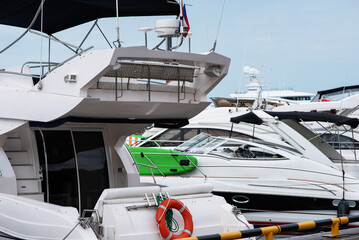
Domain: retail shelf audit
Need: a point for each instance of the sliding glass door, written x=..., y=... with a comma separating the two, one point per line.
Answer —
x=74, y=166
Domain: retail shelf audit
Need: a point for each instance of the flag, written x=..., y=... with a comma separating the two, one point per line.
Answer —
x=184, y=24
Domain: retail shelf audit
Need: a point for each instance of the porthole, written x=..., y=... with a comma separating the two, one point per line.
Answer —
x=240, y=199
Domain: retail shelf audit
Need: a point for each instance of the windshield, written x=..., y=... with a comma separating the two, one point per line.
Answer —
x=336, y=95
x=237, y=150
x=205, y=143
x=176, y=136
x=340, y=141
x=199, y=144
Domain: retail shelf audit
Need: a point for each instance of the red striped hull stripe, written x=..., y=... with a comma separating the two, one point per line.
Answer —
x=220, y=177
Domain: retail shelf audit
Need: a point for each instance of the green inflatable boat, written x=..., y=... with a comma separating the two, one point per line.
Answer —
x=162, y=161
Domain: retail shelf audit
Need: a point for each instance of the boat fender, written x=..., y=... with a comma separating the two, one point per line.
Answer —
x=161, y=220
x=343, y=208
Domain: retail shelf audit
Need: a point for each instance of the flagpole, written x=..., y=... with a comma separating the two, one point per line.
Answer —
x=181, y=15
x=118, y=25
x=181, y=10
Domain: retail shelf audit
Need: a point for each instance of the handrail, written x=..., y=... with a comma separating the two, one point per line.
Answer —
x=156, y=141
x=154, y=153
x=77, y=54
x=144, y=154
x=268, y=232
x=205, y=176
x=52, y=64
x=150, y=167
x=26, y=74
x=39, y=64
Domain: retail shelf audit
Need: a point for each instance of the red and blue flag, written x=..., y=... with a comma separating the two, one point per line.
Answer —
x=184, y=19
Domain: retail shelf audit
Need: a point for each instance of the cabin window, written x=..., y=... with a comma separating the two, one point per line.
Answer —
x=298, y=98
x=77, y=171
x=340, y=141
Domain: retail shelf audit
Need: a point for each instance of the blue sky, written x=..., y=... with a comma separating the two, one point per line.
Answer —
x=306, y=45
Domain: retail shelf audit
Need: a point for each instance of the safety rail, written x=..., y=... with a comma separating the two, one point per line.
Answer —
x=40, y=65
x=268, y=232
x=43, y=65
x=159, y=143
x=156, y=75
x=120, y=85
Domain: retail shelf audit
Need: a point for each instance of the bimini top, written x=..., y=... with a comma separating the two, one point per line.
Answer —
x=59, y=15
x=299, y=116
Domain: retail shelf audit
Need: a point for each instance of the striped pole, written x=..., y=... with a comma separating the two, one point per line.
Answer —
x=268, y=232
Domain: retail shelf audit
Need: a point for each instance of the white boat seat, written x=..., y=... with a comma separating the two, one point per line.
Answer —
x=188, y=189
x=133, y=192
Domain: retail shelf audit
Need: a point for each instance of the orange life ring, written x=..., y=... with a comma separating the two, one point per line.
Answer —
x=161, y=222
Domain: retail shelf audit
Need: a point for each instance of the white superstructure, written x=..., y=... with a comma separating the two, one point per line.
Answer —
x=255, y=86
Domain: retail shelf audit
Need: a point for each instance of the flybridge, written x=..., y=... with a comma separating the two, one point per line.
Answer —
x=101, y=83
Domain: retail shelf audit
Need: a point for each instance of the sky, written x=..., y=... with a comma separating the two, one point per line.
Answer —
x=304, y=45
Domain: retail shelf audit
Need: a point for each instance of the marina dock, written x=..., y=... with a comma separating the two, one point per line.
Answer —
x=345, y=234
x=275, y=231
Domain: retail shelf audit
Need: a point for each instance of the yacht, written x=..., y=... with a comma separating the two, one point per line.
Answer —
x=255, y=95
x=271, y=183
x=65, y=172
x=216, y=122
x=343, y=101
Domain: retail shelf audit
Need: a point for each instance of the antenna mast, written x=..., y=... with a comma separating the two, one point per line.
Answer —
x=118, y=25
x=219, y=24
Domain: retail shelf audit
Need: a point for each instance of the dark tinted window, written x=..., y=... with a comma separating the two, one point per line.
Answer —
x=91, y=157
x=62, y=167
x=340, y=141
x=302, y=98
